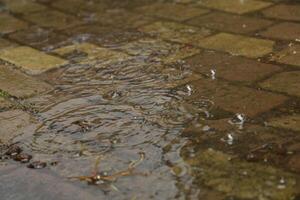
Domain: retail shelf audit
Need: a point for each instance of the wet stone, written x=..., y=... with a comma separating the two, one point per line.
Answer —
x=175, y=12
x=10, y=24
x=39, y=38
x=103, y=35
x=23, y=6
x=289, y=56
x=235, y=6
x=176, y=32
x=116, y=18
x=30, y=60
x=284, y=31
x=255, y=181
x=158, y=50
x=291, y=122
x=229, y=22
x=282, y=11
x=6, y=44
x=4, y=103
x=294, y=163
x=20, y=183
x=19, y=85
x=291, y=82
x=92, y=54
x=231, y=68
x=78, y=7
x=235, y=99
x=52, y=19
x=238, y=45
x=12, y=124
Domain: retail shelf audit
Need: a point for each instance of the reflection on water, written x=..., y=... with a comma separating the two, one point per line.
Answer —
x=205, y=133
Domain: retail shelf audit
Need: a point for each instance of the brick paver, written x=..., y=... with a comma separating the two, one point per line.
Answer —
x=231, y=67
x=236, y=99
x=282, y=11
x=10, y=24
x=238, y=45
x=230, y=22
x=24, y=6
x=235, y=6
x=289, y=122
x=289, y=55
x=284, y=31
x=172, y=11
x=19, y=85
x=287, y=82
x=6, y=44
x=176, y=32
x=31, y=60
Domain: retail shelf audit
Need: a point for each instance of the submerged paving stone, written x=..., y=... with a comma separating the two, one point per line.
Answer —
x=289, y=56
x=229, y=22
x=94, y=54
x=39, y=38
x=238, y=45
x=4, y=44
x=176, y=32
x=172, y=11
x=230, y=67
x=4, y=103
x=282, y=11
x=53, y=19
x=12, y=124
x=235, y=99
x=241, y=179
x=79, y=7
x=21, y=183
x=159, y=50
x=289, y=122
x=116, y=18
x=10, y=24
x=284, y=31
x=287, y=82
x=31, y=60
x=23, y=6
x=235, y=6
x=20, y=85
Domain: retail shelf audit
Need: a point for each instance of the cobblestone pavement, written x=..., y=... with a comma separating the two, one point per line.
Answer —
x=207, y=90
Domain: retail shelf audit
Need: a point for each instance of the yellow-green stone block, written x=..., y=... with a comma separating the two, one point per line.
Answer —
x=238, y=45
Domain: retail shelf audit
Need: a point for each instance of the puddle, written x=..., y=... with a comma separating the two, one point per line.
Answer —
x=203, y=130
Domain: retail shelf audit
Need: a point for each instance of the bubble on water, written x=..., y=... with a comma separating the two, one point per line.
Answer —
x=228, y=139
x=213, y=74
x=239, y=119
x=189, y=89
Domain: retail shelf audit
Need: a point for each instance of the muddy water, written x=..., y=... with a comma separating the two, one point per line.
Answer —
x=200, y=135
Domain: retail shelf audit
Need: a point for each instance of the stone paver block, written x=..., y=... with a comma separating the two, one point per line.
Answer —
x=116, y=18
x=31, y=60
x=287, y=82
x=21, y=183
x=171, y=11
x=94, y=53
x=235, y=6
x=20, y=85
x=289, y=55
x=240, y=179
x=52, y=19
x=4, y=44
x=10, y=24
x=238, y=45
x=230, y=23
x=176, y=32
x=282, y=11
x=39, y=38
x=12, y=124
x=235, y=99
x=4, y=103
x=284, y=31
x=159, y=50
x=23, y=6
x=79, y=7
x=289, y=122
x=230, y=67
